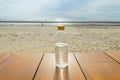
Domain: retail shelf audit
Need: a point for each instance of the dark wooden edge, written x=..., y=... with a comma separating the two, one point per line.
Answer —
x=38, y=67
x=111, y=57
x=80, y=66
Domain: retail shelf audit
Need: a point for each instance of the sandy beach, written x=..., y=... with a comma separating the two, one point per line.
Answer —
x=41, y=39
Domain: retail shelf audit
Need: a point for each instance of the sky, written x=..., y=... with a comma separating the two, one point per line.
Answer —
x=86, y=10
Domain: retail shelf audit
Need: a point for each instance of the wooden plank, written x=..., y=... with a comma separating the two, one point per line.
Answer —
x=114, y=54
x=48, y=70
x=98, y=66
x=74, y=69
x=4, y=57
x=19, y=67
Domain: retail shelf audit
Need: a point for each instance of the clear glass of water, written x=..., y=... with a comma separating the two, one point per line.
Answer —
x=61, y=54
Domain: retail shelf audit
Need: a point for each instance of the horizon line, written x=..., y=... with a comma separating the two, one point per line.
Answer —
x=56, y=21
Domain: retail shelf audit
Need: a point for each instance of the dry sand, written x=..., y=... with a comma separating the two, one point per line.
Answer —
x=41, y=39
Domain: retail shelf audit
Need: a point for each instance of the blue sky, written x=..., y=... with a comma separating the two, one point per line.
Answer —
x=60, y=10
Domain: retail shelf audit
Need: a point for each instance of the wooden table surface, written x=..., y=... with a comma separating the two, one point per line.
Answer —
x=81, y=66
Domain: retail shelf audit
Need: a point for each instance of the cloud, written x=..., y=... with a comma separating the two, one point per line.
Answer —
x=63, y=9
x=98, y=10
x=29, y=9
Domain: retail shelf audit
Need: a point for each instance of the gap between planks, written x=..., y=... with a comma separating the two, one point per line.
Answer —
x=80, y=66
x=106, y=53
x=38, y=67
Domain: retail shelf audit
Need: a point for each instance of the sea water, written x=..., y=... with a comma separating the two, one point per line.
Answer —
x=61, y=55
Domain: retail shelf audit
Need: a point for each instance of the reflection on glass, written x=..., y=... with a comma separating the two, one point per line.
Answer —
x=61, y=74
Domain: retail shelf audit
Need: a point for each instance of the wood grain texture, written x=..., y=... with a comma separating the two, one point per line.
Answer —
x=19, y=67
x=114, y=54
x=3, y=57
x=74, y=69
x=48, y=70
x=98, y=66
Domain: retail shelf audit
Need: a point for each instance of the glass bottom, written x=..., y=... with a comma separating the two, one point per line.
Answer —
x=61, y=65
